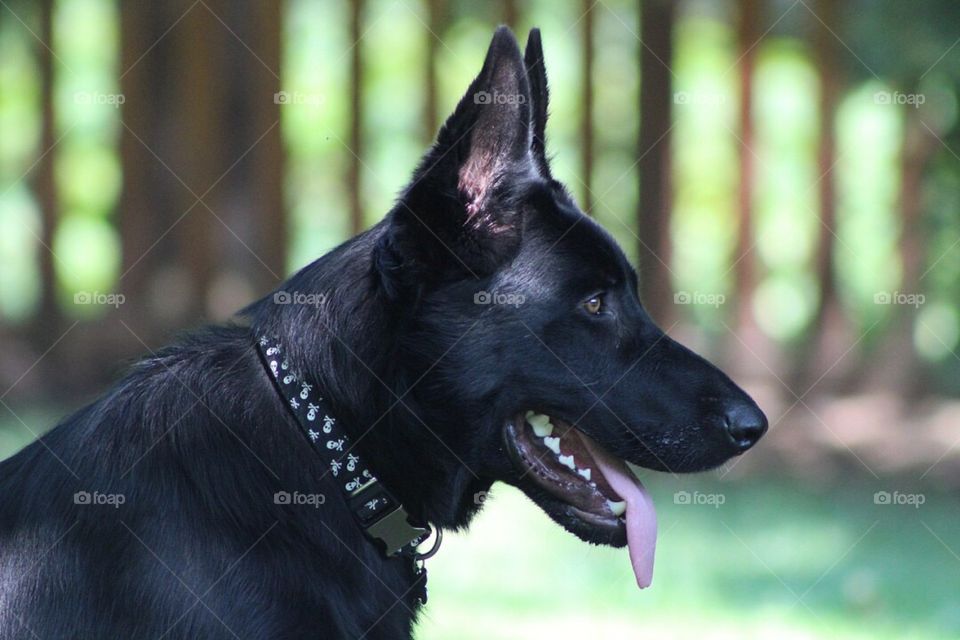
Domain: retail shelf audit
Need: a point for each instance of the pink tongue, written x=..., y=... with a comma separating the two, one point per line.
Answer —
x=641, y=516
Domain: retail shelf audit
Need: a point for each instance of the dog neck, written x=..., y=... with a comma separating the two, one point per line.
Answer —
x=375, y=509
x=346, y=343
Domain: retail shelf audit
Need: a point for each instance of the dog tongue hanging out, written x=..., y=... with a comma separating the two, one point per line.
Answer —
x=640, y=517
x=598, y=487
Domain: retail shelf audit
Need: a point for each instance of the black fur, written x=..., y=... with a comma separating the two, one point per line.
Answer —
x=423, y=378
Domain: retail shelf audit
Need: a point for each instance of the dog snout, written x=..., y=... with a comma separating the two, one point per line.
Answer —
x=745, y=424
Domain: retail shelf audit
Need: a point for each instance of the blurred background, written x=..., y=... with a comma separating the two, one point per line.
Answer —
x=785, y=174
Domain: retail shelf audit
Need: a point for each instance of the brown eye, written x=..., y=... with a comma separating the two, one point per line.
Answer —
x=594, y=305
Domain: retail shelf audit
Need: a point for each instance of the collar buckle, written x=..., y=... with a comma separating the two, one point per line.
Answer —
x=384, y=519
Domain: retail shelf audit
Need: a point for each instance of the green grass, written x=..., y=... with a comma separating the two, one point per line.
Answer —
x=778, y=559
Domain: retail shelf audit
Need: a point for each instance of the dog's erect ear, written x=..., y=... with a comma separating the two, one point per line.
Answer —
x=460, y=211
x=537, y=76
x=489, y=131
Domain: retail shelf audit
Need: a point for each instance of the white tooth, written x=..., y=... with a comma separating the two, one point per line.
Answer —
x=585, y=473
x=544, y=430
x=567, y=461
x=541, y=424
x=553, y=444
x=618, y=508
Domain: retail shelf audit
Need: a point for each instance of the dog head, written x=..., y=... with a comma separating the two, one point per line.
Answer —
x=534, y=359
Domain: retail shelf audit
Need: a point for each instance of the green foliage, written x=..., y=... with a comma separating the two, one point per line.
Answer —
x=918, y=52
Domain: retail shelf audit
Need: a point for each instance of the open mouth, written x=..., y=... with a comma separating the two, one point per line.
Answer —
x=591, y=485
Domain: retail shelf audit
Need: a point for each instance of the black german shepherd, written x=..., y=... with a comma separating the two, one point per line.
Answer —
x=485, y=330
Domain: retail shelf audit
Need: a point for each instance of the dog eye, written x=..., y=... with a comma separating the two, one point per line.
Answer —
x=594, y=305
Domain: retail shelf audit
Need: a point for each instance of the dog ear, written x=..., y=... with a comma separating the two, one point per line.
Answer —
x=540, y=93
x=460, y=212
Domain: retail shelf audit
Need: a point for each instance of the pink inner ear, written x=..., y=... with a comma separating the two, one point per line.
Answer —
x=478, y=215
x=475, y=182
x=477, y=178
x=472, y=209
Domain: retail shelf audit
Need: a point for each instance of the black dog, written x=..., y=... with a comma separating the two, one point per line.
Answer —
x=485, y=330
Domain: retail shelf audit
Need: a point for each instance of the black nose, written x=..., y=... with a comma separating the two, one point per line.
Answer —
x=745, y=424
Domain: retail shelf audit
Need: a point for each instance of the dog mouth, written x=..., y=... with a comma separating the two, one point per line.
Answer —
x=584, y=487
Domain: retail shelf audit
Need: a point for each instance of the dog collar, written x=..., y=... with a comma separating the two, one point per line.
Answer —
x=381, y=516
